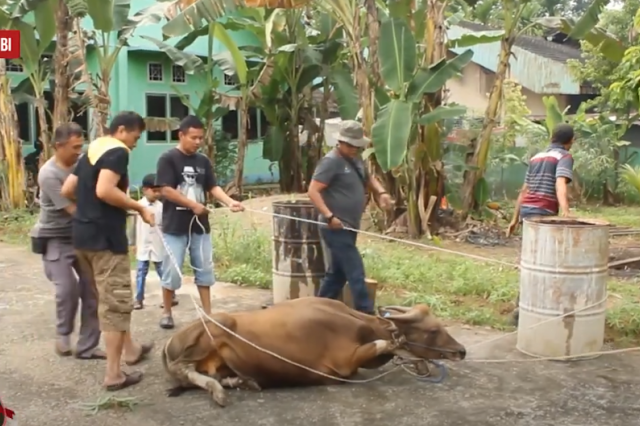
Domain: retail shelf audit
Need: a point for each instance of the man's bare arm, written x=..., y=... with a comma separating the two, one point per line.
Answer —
x=516, y=210
x=375, y=186
x=219, y=194
x=68, y=189
x=107, y=190
x=71, y=208
x=562, y=193
x=315, y=188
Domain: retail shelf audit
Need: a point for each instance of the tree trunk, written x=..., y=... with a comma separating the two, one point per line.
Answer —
x=97, y=122
x=242, y=148
x=210, y=142
x=12, y=191
x=427, y=175
x=61, y=66
x=481, y=151
x=41, y=111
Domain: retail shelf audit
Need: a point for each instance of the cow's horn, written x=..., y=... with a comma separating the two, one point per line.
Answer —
x=407, y=316
x=403, y=309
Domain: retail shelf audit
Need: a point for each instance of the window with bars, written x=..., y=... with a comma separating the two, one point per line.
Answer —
x=257, y=127
x=178, y=75
x=230, y=80
x=155, y=71
x=165, y=106
x=13, y=66
x=29, y=123
x=24, y=121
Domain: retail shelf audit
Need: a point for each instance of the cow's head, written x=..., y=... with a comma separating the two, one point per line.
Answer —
x=425, y=335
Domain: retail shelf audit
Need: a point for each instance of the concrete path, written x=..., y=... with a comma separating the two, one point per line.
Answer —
x=43, y=389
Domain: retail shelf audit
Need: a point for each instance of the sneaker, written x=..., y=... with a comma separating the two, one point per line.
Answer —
x=138, y=304
x=166, y=322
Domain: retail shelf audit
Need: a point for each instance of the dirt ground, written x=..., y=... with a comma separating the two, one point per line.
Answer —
x=44, y=389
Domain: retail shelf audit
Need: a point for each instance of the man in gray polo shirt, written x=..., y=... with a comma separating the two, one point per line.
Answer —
x=51, y=238
x=338, y=191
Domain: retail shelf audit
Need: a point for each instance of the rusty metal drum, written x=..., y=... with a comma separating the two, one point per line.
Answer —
x=298, y=261
x=563, y=268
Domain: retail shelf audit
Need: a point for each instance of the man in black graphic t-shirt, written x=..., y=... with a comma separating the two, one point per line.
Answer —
x=185, y=177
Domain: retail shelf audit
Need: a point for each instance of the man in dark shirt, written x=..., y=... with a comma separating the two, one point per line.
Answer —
x=186, y=177
x=338, y=191
x=99, y=184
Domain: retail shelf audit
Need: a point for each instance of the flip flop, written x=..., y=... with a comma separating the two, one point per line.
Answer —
x=96, y=354
x=145, y=350
x=62, y=349
x=130, y=379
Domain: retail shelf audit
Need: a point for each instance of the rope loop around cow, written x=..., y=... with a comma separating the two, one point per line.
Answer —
x=202, y=315
x=400, y=363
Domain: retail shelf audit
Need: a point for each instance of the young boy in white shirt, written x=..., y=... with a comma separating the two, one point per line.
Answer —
x=149, y=245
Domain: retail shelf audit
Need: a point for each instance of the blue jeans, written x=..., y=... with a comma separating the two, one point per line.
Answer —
x=344, y=263
x=141, y=276
x=200, y=255
x=526, y=212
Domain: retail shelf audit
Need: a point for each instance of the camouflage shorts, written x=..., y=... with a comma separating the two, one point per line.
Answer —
x=111, y=275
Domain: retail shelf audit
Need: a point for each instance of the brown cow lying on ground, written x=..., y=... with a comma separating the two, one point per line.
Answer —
x=322, y=334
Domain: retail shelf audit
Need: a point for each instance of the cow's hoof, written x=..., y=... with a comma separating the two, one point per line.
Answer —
x=220, y=398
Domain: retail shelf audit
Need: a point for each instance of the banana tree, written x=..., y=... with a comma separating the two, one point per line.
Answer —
x=288, y=67
x=191, y=20
x=34, y=40
x=406, y=135
x=295, y=54
x=211, y=105
x=61, y=70
x=583, y=28
x=12, y=173
x=112, y=28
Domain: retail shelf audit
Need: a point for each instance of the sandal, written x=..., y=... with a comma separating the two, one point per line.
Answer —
x=62, y=349
x=130, y=379
x=166, y=322
x=145, y=349
x=96, y=354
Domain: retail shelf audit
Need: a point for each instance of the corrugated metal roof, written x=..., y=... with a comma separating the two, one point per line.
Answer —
x=536, y=45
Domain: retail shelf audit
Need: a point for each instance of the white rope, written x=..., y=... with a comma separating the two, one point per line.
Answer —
x=482, y=259
x=202, y=315
x=389, y=238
